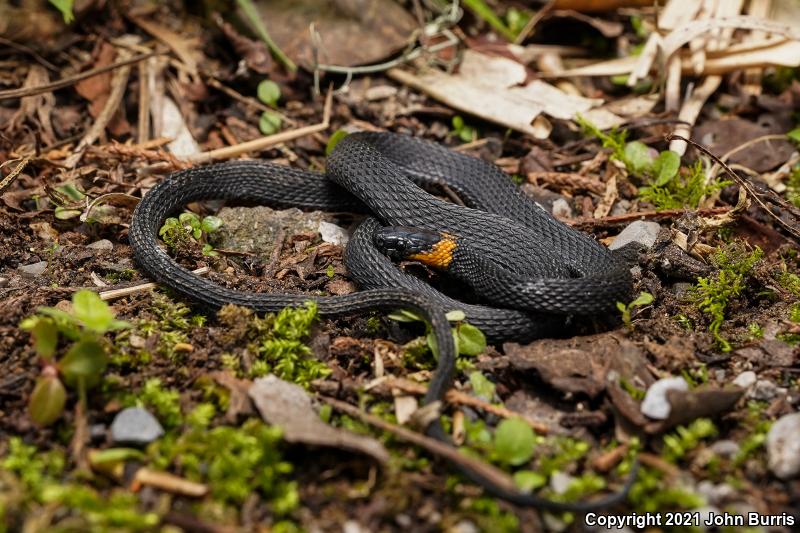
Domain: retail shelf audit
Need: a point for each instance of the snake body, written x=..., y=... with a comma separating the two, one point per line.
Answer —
x=381, y=174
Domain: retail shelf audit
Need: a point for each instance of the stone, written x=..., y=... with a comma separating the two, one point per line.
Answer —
x=33, y=270
x=643, y=232
x=764, y=390
x=746, y=379
x=561, y=209
x=102, y=244
x=725, y=448
x=333, y=234
x=655, y=404
x=135, y=426
x=783, y=446
x=560, y=482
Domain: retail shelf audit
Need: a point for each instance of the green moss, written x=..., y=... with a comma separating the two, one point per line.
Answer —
x=685, y=190
x=234, y=461
x=489, y=516
x=172, y=322
x=713, y=295
x=686, y=438
x=166, y=403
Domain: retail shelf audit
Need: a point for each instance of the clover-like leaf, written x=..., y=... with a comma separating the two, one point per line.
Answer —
x=481, y=386
x=84, y=362
x=514, y=441
x=644, y=298
x=470, y=340
x=47, y=400
x=211, y=224
x=269, y=92
x=666, y=167
x=92, y=311
x=269, y=123
x=637, y=155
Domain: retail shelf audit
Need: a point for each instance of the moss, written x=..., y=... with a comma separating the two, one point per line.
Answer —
x=686, y=438
x=172, y=322
x=166, y=403
x=685, y=190
x=713, y=295
x=234, y=461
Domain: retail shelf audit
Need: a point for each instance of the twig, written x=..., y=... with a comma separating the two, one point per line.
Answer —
x=495, y=475
x=587, y=223
x=8, y=180
x=751, y=191
x=270, y=140
x=533, y=21
x=119, y=83
x=71, y=80
x=167, y=482
x=113, y=294
x=22, y=48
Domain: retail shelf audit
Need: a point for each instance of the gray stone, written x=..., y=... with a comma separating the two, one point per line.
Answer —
x=679, y=288
x=256, y=229
x=561, y=209
x=102, y=244
x=333, y=234
x=559, y=482
x=135, y=426
x=715, y=494
x=746, y=379
x=783, y=446
x=643, y=232
x=33, y=270
x=655, y=404
x=725, y=448
x=764, y=390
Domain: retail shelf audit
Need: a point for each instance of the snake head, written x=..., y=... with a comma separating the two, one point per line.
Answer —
x=429, y=247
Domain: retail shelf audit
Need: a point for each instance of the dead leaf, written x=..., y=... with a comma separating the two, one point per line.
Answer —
x=97, y=91
x=254, y=52
x=721, y=136
x=239, y=404
x=185, y=49
x=289, y=406
x=352, y=32
x=704, y=401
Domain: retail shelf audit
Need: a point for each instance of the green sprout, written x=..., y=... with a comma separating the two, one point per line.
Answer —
x=179, y=232
x=463, y=131
x=644, y=298
x=85, y=360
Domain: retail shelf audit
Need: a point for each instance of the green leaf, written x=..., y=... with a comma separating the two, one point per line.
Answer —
x=528, y=481
x=482, y=387
x=47, y=400
x=111, y=456
x=85, y=361
x=45, y=333
x=211, y=224
x=270, y=123
x=189, y=219
x=622, y=307
x=269, y=92
x=467, y=134
x=644, y=298
x=71, y=192
x=456, y=315
x=470, y=340
x=404, y=315
x=637, y=155
x=209, y=250
x=337, y=136
x=514, y=441
x=93, y=312
x=458, y=122
x=63, y=213
x=794, y=135
x=666, y=167
x=65, y=6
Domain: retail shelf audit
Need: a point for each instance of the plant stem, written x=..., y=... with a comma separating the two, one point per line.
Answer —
x=252, y=14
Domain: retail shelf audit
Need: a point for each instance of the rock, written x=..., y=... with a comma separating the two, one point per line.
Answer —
x=725, y=448
x=715, y=494
x=561, y=209
x=98, y=431
x=333, y=234
x=135, y=426
x=102, y=244
x=256, y=229
x=746, y=379
x=4, y=282
x=783, y=446
x=765, y=390
x=33, y=270
x=559, y=482
x=679, y=288
x=465, y=526
x=642, y=231
x=655, y=404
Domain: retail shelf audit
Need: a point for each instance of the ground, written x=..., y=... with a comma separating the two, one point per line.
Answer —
x=718, y=305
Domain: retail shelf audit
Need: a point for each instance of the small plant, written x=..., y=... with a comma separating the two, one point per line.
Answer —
x=65, y=7
x=469, y=340
x=793, y=187
x=166, y=403
x=85, y=360
x=682, y=189
x=687, y=438
x=177, y=232
x=463, y=131
x=337, y=136
x=644, y=298
x=713, y=295
x=514, y=442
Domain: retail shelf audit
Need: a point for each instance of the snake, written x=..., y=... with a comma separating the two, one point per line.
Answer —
x=506, y=243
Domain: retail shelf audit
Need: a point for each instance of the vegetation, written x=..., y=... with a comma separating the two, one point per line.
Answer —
x=187, y=228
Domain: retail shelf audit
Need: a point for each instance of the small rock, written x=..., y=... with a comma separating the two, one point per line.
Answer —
x=716, y=494
x=655, y=404
x=621, y=207
x=403, y=520
x=465, y=526
x=333, y=234
x=98, y=431
x=643, y=232
x=559, y=482
x=783, y=446
x=561, y=209
x=725, y=448
x=764, y=390
x=36, y=269
x=746, y=379
x=679, y=288
x=4, y=282
x=102, y=244
x=135, y=426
